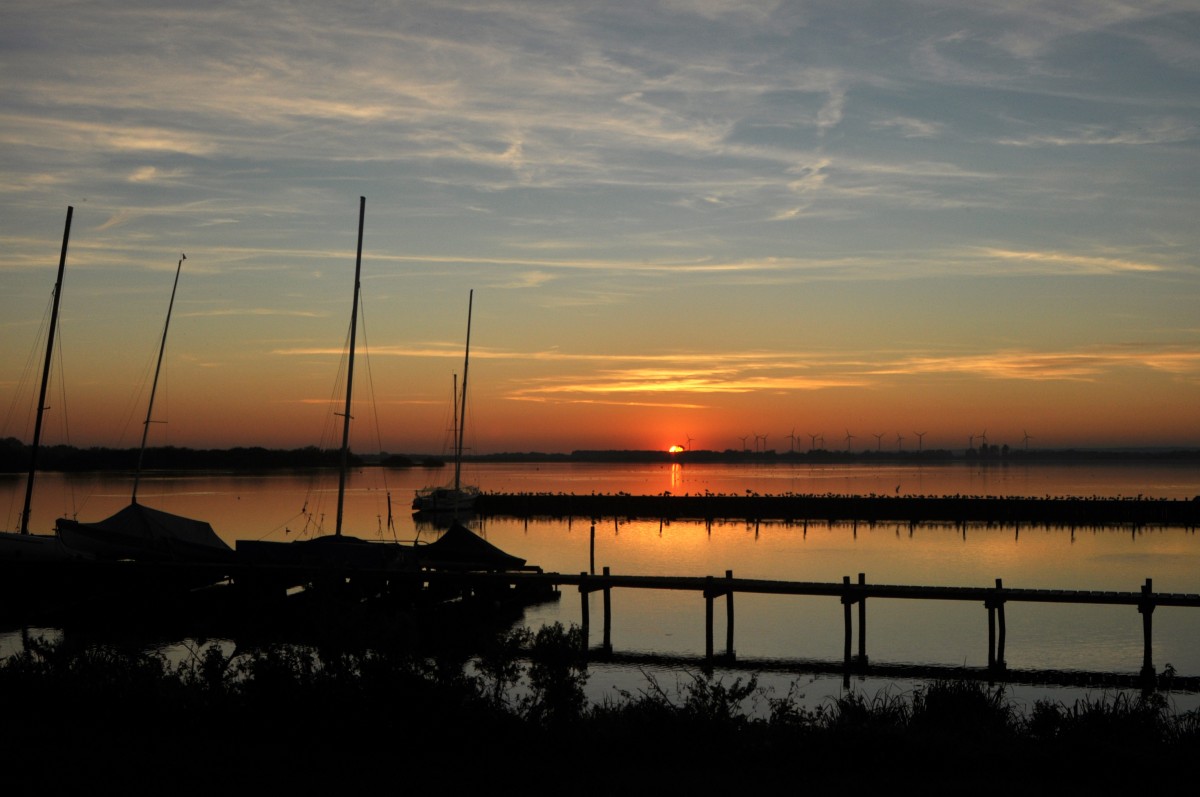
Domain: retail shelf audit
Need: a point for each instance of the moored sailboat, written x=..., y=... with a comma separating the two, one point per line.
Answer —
x=337, y=549
x=457, y=498
x=22, y=545
x=139, y=532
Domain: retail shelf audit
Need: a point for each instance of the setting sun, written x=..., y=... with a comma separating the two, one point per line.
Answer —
x=675, y=449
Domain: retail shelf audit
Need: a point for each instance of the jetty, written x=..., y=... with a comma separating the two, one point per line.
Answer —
x=1048, y=511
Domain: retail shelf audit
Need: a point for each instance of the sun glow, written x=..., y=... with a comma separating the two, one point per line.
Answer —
x=675, y=449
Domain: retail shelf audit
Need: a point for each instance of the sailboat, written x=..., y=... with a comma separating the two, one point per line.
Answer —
x=21, y=545
x=337, y=549
x=140, y=532
x=457, y=498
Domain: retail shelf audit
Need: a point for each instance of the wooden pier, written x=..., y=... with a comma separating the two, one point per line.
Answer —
x=144, y=589
x=853, y=594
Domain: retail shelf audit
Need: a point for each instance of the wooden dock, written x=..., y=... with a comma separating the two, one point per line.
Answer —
x=213, y=595
x=854, y=595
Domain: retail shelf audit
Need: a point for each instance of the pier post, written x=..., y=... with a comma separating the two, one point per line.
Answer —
x=607, y=613
x=708, y=619
x=729, y=618
x=586, y=619
x=1000, y=629
x=592, y=550
x=1146, y=607
x=862, y=622
x=846, y=601
x=991, y=656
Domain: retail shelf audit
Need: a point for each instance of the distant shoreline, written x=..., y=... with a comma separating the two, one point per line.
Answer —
x=14, y=457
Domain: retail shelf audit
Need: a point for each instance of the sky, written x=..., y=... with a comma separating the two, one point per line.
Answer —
x=710, y=223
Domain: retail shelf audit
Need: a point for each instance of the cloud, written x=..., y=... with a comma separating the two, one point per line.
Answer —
x=1064, y=262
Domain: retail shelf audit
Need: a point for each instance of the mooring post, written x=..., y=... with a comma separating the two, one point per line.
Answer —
x=991, y=610
x=1146, y=607
x=846, y=601
x=1000, y=625
x=583, y=599
x=592, y=555
x=708, y=618
x=862, y=621
x=607, y=613
x=729, y=617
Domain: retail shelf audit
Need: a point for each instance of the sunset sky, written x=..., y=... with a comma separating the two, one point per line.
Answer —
x=704, y=219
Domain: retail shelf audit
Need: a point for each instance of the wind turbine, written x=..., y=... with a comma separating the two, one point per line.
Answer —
x=899, y=442
x=849, y=437
x=744, y=438
x=791, y=438
x=812, y=441
x=920, y=439
x=878, y=440
x=984, y=437
x=756, y=439
x=689, y=441
x=764, y=444
x=1027, y=438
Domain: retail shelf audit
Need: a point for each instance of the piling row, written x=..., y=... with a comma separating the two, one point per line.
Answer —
x=1083, y=512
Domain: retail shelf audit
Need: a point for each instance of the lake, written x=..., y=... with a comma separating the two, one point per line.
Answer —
x=282, y=506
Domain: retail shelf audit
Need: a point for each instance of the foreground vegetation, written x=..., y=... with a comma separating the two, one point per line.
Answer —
x=516, y=718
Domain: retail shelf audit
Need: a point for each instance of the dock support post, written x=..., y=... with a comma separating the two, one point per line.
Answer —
x=592, y=550
x=587, y=617
x=729, y=618
x=1146, y=607
x=607, y=613
x=708, y=619
x=846, y=601
x=1001, y=629
x=862, y=622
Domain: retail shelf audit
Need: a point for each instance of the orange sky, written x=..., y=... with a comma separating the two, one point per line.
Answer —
x=728, y=220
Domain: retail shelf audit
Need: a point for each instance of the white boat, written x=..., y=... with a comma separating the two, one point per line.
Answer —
x=456, y=498
x=21, y=545
x=140, y=532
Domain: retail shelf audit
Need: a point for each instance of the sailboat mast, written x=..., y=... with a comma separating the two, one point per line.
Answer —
x=41, y=405
x=462, y=405
x=137, y=477
x=362, y=209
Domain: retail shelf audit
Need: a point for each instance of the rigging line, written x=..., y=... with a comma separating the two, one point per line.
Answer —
x=26, y=380
x=362, y=311
x=66, y=420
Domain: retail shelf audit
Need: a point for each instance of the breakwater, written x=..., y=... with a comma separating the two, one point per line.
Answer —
x=1052, y=511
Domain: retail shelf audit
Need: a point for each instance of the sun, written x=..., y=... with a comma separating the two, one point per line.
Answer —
x=675, y=449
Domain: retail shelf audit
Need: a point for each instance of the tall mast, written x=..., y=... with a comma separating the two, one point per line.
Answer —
x=462, y=405
x=137, y=477
x=362, y=209
x=41, y=405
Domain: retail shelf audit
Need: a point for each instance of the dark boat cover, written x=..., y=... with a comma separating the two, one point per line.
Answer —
x=139, y=532
x=459, y=547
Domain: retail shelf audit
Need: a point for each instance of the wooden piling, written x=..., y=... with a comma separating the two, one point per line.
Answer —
x=583, y=599
x=846, y=600
x=862, y=622
x=607, y=614
x=708, y=619
x=1146, y=607
x=592, y=555
x=1000, y=623
x=729, y=619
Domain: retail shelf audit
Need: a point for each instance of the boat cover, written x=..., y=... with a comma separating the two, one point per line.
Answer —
x=139, y=531
x=460, y=547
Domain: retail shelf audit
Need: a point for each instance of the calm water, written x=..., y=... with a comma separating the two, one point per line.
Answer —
x=285, y=506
